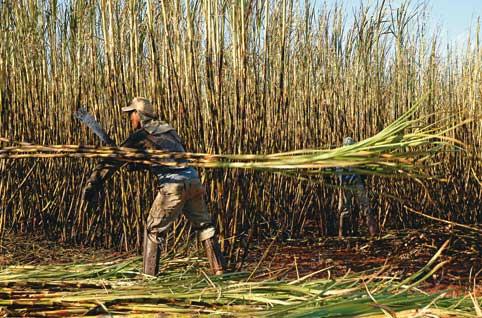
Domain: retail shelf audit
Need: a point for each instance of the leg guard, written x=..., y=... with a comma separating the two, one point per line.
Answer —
x=372, y=224
x=150, y=255
x=367, y=211
x=213, y=251
x=342, y=224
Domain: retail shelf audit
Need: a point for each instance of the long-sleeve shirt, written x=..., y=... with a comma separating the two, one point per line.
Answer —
x=154, y=135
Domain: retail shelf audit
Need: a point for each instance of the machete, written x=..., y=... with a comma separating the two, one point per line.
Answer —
x=86, y=118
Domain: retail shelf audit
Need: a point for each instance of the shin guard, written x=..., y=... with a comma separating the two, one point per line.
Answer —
x=213, y=251
x=150, y=255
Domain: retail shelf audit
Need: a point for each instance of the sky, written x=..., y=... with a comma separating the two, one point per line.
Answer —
x=453, y=17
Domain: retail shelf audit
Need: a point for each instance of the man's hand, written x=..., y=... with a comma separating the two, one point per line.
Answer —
x=90, y=193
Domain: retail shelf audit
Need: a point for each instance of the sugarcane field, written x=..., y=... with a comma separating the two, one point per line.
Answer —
x=248, y=158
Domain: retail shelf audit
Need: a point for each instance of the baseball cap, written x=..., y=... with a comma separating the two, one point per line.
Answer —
x=142, y=105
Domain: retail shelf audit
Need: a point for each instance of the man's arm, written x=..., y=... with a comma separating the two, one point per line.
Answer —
x=106, y=168
x=102, y=171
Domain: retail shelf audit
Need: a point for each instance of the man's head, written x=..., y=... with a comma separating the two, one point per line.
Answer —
x=138, y=108
x=347, y=141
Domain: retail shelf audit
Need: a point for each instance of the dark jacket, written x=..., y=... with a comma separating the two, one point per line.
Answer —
x=153, y=135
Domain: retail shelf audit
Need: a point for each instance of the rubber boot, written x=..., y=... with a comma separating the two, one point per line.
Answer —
x=215, y=256
x=150, y=256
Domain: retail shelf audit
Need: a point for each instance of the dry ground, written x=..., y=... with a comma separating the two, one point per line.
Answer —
x=403, y=252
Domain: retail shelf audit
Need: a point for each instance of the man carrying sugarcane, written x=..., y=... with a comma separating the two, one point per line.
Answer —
x=180, y=190
x=353, y=187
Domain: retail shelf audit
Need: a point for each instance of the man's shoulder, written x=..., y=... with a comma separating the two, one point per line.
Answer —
x=139, y=133
x=136, y=137
x=158, y=127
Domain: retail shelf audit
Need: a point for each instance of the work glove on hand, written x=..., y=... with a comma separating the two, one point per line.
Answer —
x=90, y=193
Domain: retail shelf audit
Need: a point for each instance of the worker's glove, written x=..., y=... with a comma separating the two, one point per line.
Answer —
x=90, y=193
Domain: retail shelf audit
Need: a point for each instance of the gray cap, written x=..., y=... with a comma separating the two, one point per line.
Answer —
x=142, y=105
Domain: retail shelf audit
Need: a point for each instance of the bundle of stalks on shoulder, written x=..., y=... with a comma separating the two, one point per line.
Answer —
x=404, y=148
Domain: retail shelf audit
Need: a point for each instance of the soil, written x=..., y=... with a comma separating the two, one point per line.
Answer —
x=400, y=253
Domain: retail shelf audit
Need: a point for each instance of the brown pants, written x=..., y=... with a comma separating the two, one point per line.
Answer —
x=347, y=220
x=173, y=199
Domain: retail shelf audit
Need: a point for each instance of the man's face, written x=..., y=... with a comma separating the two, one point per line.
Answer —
x=135, y=119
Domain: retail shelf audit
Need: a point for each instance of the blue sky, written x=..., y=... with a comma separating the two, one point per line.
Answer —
x=452, y=17
x=455, y=16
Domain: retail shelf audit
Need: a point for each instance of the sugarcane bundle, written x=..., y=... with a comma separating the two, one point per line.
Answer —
x=402, y=148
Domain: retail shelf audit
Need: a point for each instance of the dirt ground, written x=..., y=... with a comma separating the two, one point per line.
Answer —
x=401, y=252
